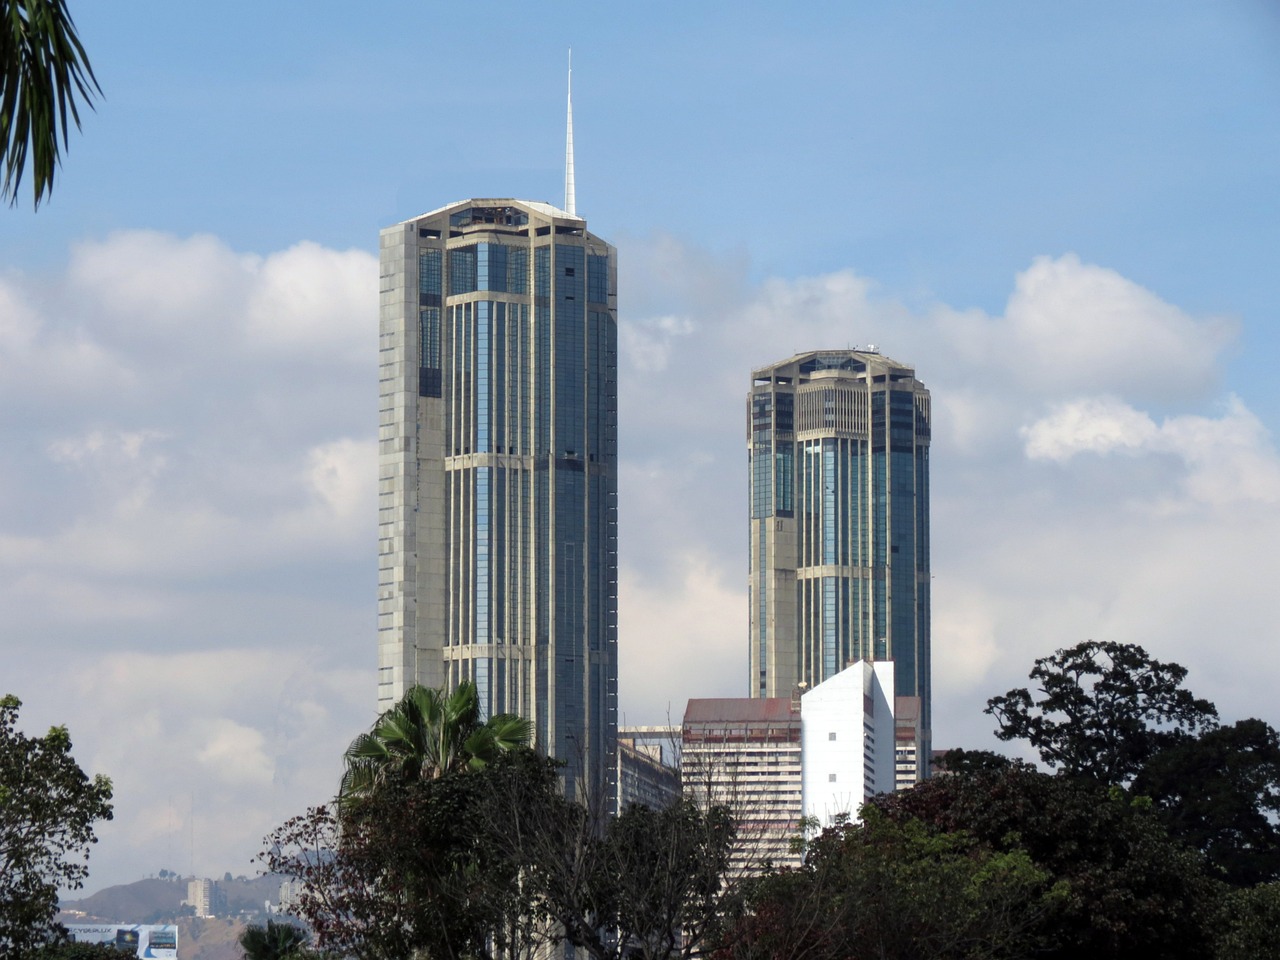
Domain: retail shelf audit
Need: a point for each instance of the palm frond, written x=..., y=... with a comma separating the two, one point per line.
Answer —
x=44, y=74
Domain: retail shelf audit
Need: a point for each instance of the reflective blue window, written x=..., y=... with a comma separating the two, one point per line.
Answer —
x=429, y=277
x=542, y=272
x=462, y=270
x=598, y=279
x=482, y=551
x=484, y=312
x=517, y=270
x=429, y=378
x=491, y=267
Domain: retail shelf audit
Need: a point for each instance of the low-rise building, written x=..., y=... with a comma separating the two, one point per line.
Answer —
x=648, y=772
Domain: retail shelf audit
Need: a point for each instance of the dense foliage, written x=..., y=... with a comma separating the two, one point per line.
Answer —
x=1109, y=714
x=451, y=838
x=1129, y=887
x=48, y=808
x=275, y=941
x=890, y=889
x=1155, y=837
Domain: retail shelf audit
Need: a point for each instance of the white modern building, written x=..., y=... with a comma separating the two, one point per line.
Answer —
x=847, y=741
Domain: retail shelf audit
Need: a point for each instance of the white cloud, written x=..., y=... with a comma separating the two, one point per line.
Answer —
x=314, y=301
x=701, y=623
x=207, y=751
x=1084, y=328
x=339, y=472
x=233, y=753
x=1094, y=425
x=156, y=285
x=648, y=344
x=1227, y=458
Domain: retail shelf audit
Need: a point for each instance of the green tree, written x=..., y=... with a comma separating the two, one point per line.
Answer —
x=426, y=735
x=1133, y=891
x=44, y=75
x=1220, y=793
x=1247, y=924
x=959, y=760
x=646, y=884
x=889, y=889
x=1102, y=711
x=425, y=867
x=275, y=941
x=48, y=808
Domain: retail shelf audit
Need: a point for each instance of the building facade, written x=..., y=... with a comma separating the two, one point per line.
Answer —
x=497, y=491
x=847, y=741
x=746, y=753
x=648, y=772
x=838, y=444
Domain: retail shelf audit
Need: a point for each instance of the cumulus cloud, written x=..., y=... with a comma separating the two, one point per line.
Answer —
x=1227, y=458
x=1095, y=425
x=1082, y=327
x=186, y=529
x=700, y=616
x=313, y=301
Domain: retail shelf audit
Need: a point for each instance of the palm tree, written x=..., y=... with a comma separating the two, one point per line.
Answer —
x=428, y=734
x=43, y=72
x=275, y=941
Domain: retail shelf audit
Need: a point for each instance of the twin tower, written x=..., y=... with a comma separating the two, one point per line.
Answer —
x=498, y=487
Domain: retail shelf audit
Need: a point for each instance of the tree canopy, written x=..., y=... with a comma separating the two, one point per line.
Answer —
x=427, y=734
x=48, y=808
x=1133, y=890
x=894, y=889
x=1220, y=793
x=451, y=839
x=1111, y=714
x=44, y=78
x=275, y=941
x=1102, y=710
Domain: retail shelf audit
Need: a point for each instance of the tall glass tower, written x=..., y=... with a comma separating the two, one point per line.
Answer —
x=497, y=496
x=838, y=443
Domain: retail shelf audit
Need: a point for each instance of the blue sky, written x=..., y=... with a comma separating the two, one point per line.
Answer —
x=1066, y=216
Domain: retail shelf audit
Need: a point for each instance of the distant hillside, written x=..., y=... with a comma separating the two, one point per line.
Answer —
x=143, y=901
x=216, y=938
x=160, y=901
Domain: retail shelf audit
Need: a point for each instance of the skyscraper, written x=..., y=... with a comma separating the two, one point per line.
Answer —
x=498, y=469
x=838, y=443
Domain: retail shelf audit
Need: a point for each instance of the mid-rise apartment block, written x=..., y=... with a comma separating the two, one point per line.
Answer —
x=746, y=753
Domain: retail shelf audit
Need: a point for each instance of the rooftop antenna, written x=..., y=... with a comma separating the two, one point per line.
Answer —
x=570, y=201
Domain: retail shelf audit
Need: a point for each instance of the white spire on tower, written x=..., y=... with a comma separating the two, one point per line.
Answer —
x=570, y=201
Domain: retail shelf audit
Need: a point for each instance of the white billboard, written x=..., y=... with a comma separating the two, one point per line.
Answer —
x=152, y=940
